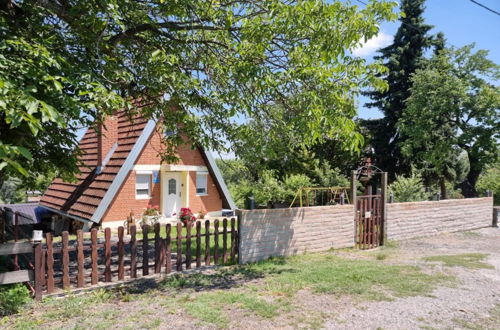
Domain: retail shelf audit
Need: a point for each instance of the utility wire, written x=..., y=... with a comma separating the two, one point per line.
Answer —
x=485, y=7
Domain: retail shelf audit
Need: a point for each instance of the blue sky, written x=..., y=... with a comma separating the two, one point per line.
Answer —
x=462, y=22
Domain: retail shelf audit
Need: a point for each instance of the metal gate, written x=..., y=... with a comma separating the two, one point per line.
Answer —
x=369, y=221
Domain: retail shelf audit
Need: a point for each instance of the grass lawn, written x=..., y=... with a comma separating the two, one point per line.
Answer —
x=466, y=260
x=267, y=290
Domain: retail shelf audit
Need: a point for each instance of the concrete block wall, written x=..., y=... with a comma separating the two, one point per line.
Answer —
x=282, y=232
x=417, y=219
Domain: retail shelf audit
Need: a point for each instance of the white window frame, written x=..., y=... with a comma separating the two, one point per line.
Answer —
x=205, y=174
x=150, y=176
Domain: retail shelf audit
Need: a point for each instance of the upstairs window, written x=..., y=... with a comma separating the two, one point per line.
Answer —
x=142, y=186
x=201, y=183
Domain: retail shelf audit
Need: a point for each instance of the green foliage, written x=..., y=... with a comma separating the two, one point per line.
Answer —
x=67, y=63
x=402, y=58
x=271, y=189
x=454, y=108
x=408, y=189
x=12, y=298
x=292, y=183
x=11, y=191
x=490, y=180
x=466, y=260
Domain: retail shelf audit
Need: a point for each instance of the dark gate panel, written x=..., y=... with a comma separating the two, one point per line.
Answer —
x=369, y=221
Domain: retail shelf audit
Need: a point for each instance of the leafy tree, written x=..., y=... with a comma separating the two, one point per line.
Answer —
x=402, y=58
x=218, y=64
x=408, y=189
x=11, y=191
x=453, y=107
x=490, y=180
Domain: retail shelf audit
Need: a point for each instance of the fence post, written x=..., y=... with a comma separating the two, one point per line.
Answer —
x=37, y=251
x=3, y=219
x=383, y=192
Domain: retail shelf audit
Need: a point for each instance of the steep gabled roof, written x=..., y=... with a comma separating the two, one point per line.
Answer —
x=89, y=197
x=82, y=198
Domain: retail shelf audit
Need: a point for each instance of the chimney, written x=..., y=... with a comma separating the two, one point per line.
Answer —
x=106, y=141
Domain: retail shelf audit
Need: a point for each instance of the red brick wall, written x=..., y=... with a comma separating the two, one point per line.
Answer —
x=108, y=137
x=125, y=201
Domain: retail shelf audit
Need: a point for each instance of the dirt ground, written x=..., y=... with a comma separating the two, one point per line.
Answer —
x=468, y=299
x=472, y=303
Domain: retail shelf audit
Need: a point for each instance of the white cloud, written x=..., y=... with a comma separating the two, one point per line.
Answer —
x=372, y=45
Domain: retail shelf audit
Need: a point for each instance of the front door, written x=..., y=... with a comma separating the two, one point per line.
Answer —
x=171, y=194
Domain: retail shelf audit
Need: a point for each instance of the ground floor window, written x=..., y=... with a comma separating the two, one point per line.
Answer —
x=201, y=183
x=142, y=186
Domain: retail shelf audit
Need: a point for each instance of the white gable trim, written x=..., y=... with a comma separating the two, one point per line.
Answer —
x=124, y=171
x=218, y=177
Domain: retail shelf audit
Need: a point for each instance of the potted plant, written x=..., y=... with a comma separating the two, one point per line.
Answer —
x=186, y=216
x=150, y=216
x=201, y=214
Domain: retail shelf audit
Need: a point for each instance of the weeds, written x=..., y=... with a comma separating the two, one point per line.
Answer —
x=467, y=260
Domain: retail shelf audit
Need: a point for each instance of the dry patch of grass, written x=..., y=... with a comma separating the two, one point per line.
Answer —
x=466, y=260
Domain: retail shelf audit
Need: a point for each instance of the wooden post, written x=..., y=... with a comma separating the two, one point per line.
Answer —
x=198, y=244
x=168, y=248
x=121, y=252
x=2, y=226
x=65, y=260
x=188, y=244
x=94, y=278
x=356, y=209
x=107, y=255
x=216, y=241
x=80, y=281
x=157, y=248
x=145, y=250
x=179, y=247
x=383, y=207
x=16, y=237
x=37, y=251
x=50, y=263
x=233, y=240
x=207, y=243
x=224, y=240
x=133, y=252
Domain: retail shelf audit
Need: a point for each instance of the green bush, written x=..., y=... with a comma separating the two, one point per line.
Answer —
x=12, y=298
x=408, y=189
x=268, y=190
x=292, y=184
x=490, y=180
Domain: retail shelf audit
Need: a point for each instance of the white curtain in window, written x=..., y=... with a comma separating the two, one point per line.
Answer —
x=201, y=183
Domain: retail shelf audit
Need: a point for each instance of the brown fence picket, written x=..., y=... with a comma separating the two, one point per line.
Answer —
x=188, y=244
x=216, y=241
x=179, y=247
x=80, y=279
x=224, y=240
x=121, y=252
x=233, y=240
x=65, y=260
x=133, y=251
x=157, y=248
x=107, y=255
x=50, y=263
x=145, y=250
x=94, y=277
x=207, y=243
x=198, y=244
x=38, y=271
x=168, y=249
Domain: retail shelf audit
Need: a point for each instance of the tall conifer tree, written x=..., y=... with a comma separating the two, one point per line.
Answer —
x=402, y=58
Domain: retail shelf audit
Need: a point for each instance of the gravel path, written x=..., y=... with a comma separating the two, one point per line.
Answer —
x=465, y=306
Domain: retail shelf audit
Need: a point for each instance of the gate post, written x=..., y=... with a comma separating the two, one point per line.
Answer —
x=37, y=251
x=383, y=185
x=354, y=205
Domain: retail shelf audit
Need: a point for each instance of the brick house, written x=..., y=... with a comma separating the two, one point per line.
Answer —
x=123, y=173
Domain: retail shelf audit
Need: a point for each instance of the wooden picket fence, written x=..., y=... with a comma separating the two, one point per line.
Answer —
x=90, y=259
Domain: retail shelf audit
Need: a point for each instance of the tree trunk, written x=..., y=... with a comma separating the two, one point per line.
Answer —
x=442, y=184
x=468, y=186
